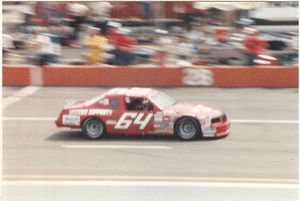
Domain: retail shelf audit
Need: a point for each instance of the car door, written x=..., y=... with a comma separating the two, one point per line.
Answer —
x=135, y=120
x=117, y=107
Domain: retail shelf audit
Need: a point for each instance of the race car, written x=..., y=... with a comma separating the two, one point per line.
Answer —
x=142, y=111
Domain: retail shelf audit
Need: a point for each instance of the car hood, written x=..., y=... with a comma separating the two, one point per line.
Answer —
x=195, y=110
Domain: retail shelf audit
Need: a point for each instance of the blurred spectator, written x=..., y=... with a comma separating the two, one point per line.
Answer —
x=113, y=36
x=254, y=46
x=185, y=51
x=291, y=57
x=49, y=13
x=78, y=13
x=100, y=15
x=44, y=48
x=113, y=32
x=100, y=8
x=221, y=35
x=193, y=35
x=243, y=24
x=125, y=45
x=96, y=45
x=294, y=42
x=7, y=45
x=196, y=36
x=28, y=14
x=147, y=9
x=163, y=42
x=54, y=34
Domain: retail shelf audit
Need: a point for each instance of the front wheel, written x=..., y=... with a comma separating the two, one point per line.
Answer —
x=93, y=128
x=187, y=129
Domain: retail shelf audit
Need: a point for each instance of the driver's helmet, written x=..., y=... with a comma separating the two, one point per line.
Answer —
x=145, y=101
x=127, y=99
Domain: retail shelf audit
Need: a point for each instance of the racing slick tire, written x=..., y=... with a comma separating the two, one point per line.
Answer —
x=93, y=128
x=187, y=129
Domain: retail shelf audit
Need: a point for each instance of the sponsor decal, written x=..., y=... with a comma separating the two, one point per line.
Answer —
x=198, y=77
x=156, y=126
x=204, y=121
x=208, y=134
x=129, y=118
x=78, y=112
x=71, y=120
x=100, y=112
x=167, y=118
x=158, y=116
x=163, y=128
x=208, y=131
x=164, y=124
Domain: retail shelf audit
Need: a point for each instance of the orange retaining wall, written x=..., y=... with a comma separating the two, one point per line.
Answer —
x=16, y=76
x=134, y=76
x=111, y=77
x=256, y=77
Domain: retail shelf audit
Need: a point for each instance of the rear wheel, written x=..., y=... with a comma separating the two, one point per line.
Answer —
x=93, y=128
x=187, y=129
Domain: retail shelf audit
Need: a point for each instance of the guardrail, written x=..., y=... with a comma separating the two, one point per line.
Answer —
x=221, y=76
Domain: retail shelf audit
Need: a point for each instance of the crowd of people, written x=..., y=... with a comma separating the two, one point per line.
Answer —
x=49, y=26
x=79, y=27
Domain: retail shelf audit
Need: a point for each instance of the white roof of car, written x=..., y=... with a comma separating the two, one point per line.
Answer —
x=135, y=91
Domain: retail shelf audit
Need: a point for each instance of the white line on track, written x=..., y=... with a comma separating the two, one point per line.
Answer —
x=27, y=91
x=29, y=118
x=115, y=147
x=149, y=183
x=245, y=121
x=264, y=121
x=134, y=178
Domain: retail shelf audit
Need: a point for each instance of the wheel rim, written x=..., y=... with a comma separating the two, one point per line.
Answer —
x=94, y=128
x=187, y=130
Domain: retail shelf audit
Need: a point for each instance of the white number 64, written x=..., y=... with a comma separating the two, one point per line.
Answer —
x=128, y=118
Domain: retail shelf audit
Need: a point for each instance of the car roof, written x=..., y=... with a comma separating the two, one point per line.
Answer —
x=134, y=91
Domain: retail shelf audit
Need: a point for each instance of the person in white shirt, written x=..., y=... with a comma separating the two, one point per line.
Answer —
x=44, y=47
x=7, y=46
x=7, y=42
x=164, y=43
x=78, y=13
x=100, y=15
x=185, y=51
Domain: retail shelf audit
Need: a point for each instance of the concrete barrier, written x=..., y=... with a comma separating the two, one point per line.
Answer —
x=222, y=76
x=16, y=76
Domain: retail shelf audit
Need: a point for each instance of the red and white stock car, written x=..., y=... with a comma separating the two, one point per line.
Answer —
x=142, y=111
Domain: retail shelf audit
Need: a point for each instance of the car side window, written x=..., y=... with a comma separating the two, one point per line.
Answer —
x=138, y=103
x=114, y=104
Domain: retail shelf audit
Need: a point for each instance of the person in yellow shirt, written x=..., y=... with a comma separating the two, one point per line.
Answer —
x=96, y=44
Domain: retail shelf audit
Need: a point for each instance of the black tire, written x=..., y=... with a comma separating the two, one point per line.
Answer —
x=187, y=129
x=93, y=128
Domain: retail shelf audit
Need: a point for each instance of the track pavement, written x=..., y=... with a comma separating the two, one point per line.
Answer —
x=260, y=151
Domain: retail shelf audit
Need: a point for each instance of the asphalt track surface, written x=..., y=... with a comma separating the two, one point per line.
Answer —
x=258, y=160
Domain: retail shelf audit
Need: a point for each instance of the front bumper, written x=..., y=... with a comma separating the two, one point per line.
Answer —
x=222, y=129
x=216, y=130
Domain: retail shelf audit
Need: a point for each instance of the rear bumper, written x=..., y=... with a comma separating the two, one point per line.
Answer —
x=58, y=123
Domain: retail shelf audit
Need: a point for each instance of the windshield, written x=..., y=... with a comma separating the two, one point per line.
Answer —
x=93, y=100
x=162, y=100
